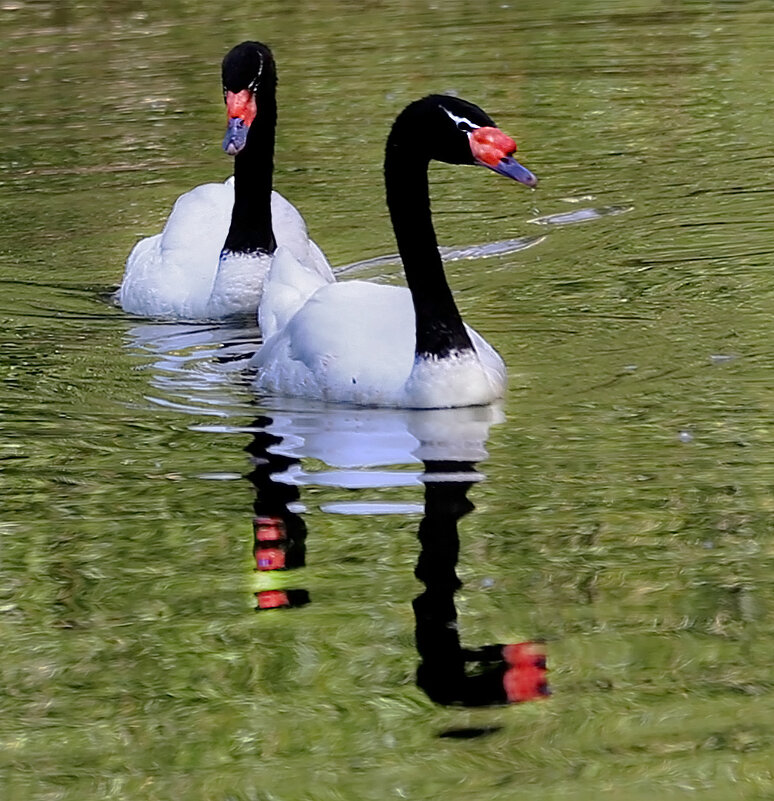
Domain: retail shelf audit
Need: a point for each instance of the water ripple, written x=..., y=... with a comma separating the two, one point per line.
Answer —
x=580, y=215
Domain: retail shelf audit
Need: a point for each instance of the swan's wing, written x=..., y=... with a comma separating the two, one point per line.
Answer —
x=491, y=361
x=352, y=341
x=288, y=285
x=171, y=274
x=319, y=262
x=200, y=219
x=289, y=227
x=138, y=291
x=290, y=232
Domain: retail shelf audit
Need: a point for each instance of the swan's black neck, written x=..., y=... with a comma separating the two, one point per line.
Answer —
x=440, y=330
x=251, y=225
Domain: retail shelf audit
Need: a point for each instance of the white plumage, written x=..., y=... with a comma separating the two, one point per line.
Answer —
x=181, y=274
x=354, y=342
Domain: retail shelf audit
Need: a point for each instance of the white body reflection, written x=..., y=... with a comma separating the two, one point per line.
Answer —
x=357, y=445
x=352, y=436
x=199, y=370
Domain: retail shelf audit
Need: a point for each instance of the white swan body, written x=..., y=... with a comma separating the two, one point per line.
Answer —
x=355, y=342
x=180, y=273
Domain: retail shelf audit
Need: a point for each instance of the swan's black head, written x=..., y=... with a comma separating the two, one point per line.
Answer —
x=453, y=130
x=248, y=71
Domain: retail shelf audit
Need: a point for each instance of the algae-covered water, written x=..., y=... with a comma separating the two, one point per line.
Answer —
x=622, y=492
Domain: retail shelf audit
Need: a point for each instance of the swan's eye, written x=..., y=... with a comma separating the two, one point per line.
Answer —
x=464, y=126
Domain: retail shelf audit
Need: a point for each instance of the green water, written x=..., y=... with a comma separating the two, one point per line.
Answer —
x=625, y=511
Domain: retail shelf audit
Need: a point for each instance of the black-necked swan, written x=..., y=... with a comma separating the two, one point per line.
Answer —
x=211, y=259
x=372, y=344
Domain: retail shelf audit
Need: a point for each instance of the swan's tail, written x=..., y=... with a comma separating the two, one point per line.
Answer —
x=288, y=286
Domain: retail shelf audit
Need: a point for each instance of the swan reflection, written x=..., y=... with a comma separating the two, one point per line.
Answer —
x=299, y=444
x=447, y=444
x=279, y=534
x=196, y=368
x=448, y=673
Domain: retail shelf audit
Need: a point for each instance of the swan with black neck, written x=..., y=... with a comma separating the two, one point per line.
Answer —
x=211, y=259
x=371, y=344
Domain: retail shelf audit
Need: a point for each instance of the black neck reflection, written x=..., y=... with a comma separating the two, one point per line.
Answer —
x=448, y=673
x=279, y=535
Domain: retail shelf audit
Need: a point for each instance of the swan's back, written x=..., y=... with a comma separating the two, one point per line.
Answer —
x=350, y=341
x=179, y=273
x=171, y=274
x=354, y=342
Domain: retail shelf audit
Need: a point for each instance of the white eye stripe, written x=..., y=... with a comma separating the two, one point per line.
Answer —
x=254, y=83
x=460, y=120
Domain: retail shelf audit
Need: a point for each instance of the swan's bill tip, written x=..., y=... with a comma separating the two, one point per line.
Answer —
x=236, y=136
x=510, y=168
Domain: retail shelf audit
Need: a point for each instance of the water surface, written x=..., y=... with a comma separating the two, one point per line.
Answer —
x=622, y=493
